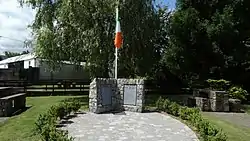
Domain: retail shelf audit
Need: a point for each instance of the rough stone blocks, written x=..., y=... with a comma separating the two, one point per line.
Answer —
x=108, y=94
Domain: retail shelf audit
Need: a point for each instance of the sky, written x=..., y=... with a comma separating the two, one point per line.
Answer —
x=14, y=20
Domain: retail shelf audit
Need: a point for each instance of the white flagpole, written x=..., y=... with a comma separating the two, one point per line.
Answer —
x=116, y=49
x=116, y=57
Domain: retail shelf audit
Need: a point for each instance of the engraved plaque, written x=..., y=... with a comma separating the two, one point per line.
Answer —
x=106, y=94
x=129, y=94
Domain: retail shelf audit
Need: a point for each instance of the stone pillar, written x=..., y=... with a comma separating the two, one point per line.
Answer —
x=102, y=95
x=219, y=101
x=132, y=94
x=202, y=103
x=235, y=105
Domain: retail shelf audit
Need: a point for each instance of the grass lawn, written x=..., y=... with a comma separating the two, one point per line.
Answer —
x=20, y=127
x=233, y=132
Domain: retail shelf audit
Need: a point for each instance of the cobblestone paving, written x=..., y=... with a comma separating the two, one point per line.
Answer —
x=128, y=126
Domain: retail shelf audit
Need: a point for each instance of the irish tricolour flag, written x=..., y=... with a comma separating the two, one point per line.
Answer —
x=118, y=34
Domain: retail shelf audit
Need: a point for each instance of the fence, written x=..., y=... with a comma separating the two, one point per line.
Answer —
x=76, y=87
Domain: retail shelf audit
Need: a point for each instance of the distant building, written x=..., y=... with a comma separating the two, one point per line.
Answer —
x=2, y=57
x=27, y=61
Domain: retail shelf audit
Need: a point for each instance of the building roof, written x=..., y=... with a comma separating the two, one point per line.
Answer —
x=27, y=57
x=18, y=58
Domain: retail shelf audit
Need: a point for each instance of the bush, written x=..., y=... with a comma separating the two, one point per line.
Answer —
x=68, y=108
x=174, y=109
x=219, y=85
x=159, y=103
x=166, y=105
x=186, y=113
x=76, y=106
x=59, y=135
x=46, y=123
x=61, y=111
x=42, y=120
x=207, y=131
x=195, y=119
x=237, y=92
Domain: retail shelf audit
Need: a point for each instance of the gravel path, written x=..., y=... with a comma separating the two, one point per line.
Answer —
x=240, y=119
x=128, y=126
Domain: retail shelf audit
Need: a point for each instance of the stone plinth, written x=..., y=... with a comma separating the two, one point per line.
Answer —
x=131, y=85
x=217, y=101
x=97, y=103
x=108, y=94
x=202, y=103
x=235, y=105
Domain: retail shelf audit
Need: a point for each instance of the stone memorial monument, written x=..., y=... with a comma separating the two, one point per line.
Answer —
x=109, y=94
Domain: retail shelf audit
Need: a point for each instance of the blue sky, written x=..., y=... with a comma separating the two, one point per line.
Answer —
x=170, y=3
x=15, y=19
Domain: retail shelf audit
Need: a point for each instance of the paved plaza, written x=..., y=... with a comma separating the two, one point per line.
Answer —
x=128, y=126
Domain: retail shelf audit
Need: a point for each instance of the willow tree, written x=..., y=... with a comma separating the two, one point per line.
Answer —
x=83, y=30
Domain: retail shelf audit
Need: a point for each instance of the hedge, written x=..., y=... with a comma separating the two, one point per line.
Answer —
x=207, y=131
x=46, y=124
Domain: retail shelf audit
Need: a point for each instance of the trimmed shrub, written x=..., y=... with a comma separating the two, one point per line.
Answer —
x=166, y=105
x=174, y=109
x=195, y=119
x=42, y=120
x=219, y=85
x=59, y=135
x=207, y=131
x=61, y=111
x=76, y=105
x=46, y=123
x=159, y=104
x=237, y=92
x=186, y=113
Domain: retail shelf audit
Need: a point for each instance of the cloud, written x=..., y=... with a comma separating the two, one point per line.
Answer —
x=14, y=20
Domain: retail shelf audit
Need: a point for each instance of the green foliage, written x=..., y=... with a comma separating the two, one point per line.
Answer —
x=43, y=120
x=174, y=109
x=193, y=116
x=85, y=32
x=76, y=106
x=186, y=113
x=218, y=84
x=61, y=111
x=46, y=123
x=166, y=105
x=159, y=103
x=209, y=39
x=59, y=135
x=237, y=92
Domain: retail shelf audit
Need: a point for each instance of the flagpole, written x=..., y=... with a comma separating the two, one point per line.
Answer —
x=116, y=58
x=116, y=49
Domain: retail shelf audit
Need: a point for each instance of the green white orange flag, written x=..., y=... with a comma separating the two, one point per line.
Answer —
x=118, y=34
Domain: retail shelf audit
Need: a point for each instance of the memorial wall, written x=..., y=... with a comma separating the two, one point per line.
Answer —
x=108, y=94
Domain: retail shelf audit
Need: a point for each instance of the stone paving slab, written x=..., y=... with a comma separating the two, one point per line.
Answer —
x=128, y=126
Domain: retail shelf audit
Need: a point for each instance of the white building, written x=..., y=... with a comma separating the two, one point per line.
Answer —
x=67, y=71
